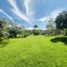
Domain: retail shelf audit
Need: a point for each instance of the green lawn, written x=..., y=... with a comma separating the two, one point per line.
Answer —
x=33, y=51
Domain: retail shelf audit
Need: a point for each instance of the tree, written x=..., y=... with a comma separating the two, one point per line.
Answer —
x=36, y=30
x=51, y=28
x=51, y=24
x=35, y=26
x=15, y=30
x=61, y=20
x=1, y=29
x=26, y=33
x=12, y=32
x=3, y=23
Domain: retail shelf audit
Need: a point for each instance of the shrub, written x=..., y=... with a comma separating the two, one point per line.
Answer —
x=36, y=32
x=25, y=33
x=12, y=33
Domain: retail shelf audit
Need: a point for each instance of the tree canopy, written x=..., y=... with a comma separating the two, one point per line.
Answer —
x=61, y=20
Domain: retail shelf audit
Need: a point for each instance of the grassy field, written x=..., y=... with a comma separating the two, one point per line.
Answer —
x=34, y=51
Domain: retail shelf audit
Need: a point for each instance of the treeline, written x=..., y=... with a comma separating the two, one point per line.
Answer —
x=9, y=29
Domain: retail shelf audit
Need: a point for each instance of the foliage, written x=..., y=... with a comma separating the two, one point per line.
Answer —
x=35, y=26
x=61, y=20
x=36, y=32
x=14, y=30
x=26, y=33
x=52, y=32
x=3, y=23
x=13, y=33
x=51, y=28
x=65, y=32
x=50, y=25
x=42, y=32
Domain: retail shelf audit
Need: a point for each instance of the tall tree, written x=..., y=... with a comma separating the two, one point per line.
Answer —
x=50, y=25
x=61, y=20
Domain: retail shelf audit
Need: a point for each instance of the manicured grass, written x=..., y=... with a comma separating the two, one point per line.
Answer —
x=33, y=51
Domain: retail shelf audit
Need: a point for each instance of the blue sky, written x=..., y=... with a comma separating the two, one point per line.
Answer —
x=31, y=12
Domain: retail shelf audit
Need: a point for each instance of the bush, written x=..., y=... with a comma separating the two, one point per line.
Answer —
x=1, y=36
x=25, y=33
x=12, y=33
x=4, y=35
x=36, y=32
x=65, y=32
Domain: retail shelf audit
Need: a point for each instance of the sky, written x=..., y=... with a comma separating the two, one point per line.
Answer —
x=31, y=12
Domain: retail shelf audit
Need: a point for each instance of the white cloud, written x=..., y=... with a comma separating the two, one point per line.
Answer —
x=18, y=12
x=55, y=13
x=22, y=16
x=29, y=28
x=44, y=19
x=52, y=15
x=28, y=7
x=28, y=4
x=6, y=14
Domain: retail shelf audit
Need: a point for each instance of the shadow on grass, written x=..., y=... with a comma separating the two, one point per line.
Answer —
x=59, y=39
x=3, y=43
